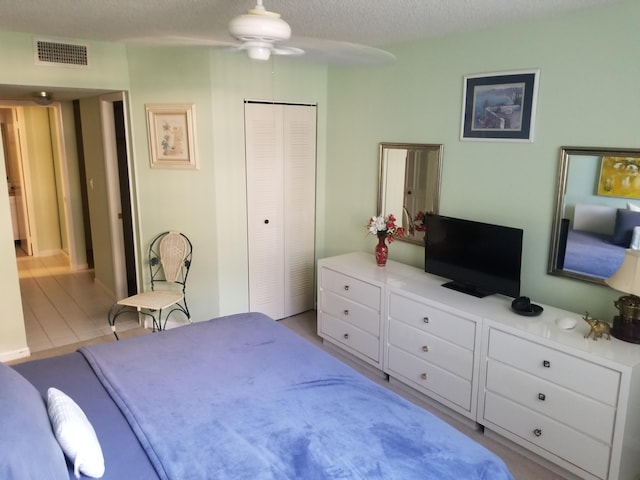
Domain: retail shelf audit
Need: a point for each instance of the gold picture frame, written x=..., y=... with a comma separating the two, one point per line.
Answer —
x=171, y=135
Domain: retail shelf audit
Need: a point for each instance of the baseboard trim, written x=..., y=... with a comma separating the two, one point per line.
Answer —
x=14, y=354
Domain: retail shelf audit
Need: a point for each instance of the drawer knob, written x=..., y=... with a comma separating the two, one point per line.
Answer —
x=346, y=336
x=546, y=363
x=537, y=432
x=346, y=313
x=425, y=348
x=423, y=376
x=425, y=319
x=542, y=397
x=346, y=288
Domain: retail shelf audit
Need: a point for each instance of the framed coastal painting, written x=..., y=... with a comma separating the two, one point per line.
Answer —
x=500, y=106
x=171, y=135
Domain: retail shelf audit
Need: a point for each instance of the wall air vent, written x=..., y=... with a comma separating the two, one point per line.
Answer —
x=50, y=52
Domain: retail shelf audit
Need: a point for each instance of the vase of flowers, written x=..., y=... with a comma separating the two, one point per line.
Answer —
x=385, y=228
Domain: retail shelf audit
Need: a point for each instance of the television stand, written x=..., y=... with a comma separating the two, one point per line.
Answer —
x=468, y=289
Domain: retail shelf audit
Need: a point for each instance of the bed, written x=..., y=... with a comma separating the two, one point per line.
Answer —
x=599, y=235
x=593, y=254
x=238, y=397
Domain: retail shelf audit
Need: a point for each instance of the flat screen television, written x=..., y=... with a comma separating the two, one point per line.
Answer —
x=480, y=259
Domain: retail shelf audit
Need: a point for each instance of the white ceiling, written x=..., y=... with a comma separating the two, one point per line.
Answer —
x=373, y=23
x=369, y=22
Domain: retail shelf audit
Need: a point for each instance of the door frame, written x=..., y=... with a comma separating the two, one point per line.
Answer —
x=113, y=191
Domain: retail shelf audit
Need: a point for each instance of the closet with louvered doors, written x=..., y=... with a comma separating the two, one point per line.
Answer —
x=280, y=142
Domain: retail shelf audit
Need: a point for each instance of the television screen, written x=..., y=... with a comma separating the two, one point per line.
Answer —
x=480, y=259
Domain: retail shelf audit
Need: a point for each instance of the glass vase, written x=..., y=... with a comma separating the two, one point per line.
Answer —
x=382, y=252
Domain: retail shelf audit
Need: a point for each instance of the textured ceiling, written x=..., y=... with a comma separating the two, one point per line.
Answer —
x=369, y=22
x=335, y=30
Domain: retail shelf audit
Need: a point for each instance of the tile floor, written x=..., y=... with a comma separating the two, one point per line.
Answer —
x=62, y=307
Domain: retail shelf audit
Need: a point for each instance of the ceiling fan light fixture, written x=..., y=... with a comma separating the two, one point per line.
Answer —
x=258, y=50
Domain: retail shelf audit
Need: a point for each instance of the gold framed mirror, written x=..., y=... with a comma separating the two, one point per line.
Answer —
x=409, y=184
x=597, y=212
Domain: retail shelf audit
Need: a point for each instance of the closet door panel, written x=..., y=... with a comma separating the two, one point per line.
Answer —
x=299, y=207
x=265, y=208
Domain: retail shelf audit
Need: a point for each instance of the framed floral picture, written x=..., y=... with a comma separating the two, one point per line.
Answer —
x=500, y=106
x=171, y=135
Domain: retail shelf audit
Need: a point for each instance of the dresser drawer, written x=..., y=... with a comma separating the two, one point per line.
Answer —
x=427, y=377
x=432, y=349
x=586, y=378
x=453, y=328
x=349, y=287
x=349, y=336
x=544, y=432
x=351, y=312
x=578, y=412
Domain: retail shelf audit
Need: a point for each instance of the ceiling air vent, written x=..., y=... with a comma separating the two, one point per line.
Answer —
x=58, y=53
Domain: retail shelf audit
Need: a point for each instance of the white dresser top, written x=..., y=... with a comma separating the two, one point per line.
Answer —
x=495, y=308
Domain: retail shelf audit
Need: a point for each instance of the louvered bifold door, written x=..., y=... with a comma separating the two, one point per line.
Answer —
x=281, y=158
x=299, y=207
x=265, y=210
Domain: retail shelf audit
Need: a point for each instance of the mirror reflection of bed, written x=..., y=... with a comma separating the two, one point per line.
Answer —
x=593, y=247
x=592, y=228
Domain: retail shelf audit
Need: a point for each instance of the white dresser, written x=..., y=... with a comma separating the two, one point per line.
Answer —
x=350, y=308
x=573, y=401
x=433, y=350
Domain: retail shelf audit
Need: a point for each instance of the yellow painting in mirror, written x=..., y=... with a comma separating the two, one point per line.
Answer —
x=620, y=177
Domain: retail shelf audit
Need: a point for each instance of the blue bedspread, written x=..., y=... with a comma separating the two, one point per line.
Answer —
x=242, y=397
x=592, y=254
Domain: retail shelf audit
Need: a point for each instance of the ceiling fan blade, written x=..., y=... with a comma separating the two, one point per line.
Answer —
x=287, y=50
x=343, y=53
x=176, y=40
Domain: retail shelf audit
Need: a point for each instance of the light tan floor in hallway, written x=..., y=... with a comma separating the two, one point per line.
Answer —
x=62, y=307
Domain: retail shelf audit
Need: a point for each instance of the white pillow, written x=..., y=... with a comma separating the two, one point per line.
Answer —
x=75, y=434
x=633, y=207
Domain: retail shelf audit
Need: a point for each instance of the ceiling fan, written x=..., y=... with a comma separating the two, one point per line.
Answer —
x=261, y=33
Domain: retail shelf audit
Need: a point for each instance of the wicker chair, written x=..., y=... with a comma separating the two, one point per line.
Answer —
x=169, y=263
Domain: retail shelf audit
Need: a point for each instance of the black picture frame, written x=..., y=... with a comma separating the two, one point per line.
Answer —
x=500, y=106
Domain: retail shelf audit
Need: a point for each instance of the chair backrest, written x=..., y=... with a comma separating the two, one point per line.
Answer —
x=170, y=258
x=173, y=251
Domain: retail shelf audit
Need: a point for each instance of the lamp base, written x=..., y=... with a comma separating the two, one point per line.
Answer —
x=627, y=330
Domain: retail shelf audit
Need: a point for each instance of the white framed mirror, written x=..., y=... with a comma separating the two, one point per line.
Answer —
x=597, y=212
x=409, y=184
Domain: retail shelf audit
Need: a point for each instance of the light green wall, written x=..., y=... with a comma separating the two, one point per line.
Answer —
x=108, y=71
x=209, y=204
x=588, y=97
x=174, y=199
x=235, y=78
x=107, y=66
x=13, y=341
